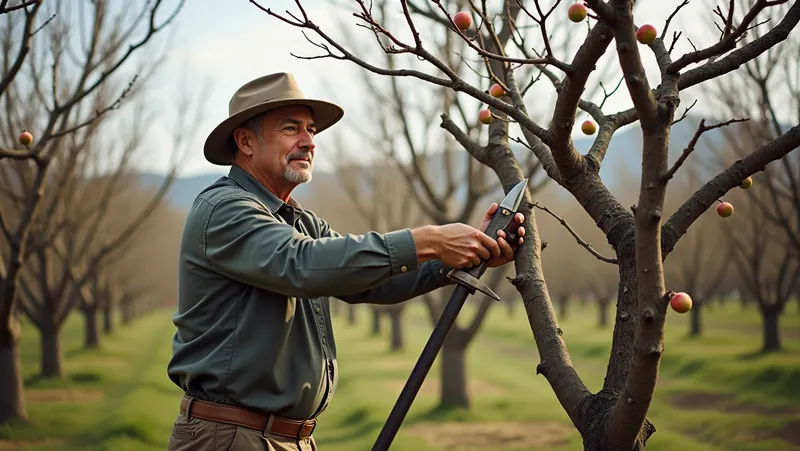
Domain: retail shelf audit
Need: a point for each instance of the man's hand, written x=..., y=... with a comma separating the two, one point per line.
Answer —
x=462, y=246
x=506, y=249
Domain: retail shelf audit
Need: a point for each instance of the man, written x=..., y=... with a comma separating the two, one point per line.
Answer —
x=254, y=351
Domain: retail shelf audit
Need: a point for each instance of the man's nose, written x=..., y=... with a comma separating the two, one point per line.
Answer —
x=307, y=141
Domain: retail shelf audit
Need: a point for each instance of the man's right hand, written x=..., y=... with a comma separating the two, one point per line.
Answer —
x=456, y=245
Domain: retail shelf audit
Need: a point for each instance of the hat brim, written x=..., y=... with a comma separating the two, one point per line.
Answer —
x=217, y=148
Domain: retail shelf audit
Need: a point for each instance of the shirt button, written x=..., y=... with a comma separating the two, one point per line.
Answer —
x=316, y=309
x=403, y=268
x=323, y=340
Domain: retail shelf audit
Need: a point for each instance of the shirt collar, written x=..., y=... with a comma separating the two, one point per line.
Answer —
x=290, y=211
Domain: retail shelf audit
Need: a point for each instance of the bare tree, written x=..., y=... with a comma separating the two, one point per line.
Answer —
x=370, y=188
x=69, y=65
x=615, y=417
x=767, y=265
x=767, y=90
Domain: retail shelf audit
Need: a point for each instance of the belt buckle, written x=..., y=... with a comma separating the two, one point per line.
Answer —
x=313, y=426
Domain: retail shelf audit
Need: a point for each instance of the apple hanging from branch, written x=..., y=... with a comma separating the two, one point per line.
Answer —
x=25, y=138
x=462, y=20
x=681, y=302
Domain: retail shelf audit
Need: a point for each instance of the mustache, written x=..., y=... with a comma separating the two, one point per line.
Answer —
x=299, y=156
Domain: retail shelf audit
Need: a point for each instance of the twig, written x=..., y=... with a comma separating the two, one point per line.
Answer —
x=725, y=44
x=685, y=112
x=576, y=236
x=692, y=143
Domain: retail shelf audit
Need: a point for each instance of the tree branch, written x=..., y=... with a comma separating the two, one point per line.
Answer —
x=577, y=237
x=730, y=178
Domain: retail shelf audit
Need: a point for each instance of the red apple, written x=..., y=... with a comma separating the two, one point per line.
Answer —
x=724, y=209
x=577, y=12
x=25, y=138
x=588, y=127
x=462, y=20
x=681, y=302
x=496, y=90
x=746, y=183
x=485, y=117
x=646, y=34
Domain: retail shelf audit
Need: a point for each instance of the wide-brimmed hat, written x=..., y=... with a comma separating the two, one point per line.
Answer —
x=260, y=95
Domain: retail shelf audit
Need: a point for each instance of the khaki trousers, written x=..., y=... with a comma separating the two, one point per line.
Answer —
x=196, y=434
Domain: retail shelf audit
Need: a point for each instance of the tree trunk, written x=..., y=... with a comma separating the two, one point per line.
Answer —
x=127, y=313
x=772, y=338
x=52, y=358
x=351, y=314
x=12, y=402
x=376, y=321
x=92, y=333
x=563, y=302
x=603, y=310
x=694, y=325
x=625, y=325
x=454, y=372
x=396, y=316
x=108, y=318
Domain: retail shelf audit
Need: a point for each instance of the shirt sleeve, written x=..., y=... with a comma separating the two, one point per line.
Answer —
x=246, y=243
x=429, y=276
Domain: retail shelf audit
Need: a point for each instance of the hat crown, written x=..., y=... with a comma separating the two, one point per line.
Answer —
x=272, y=87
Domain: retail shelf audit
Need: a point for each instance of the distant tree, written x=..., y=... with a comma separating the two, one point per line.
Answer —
x=381, y=198
x=766, y=90
x=69, y=63
x=615, y=417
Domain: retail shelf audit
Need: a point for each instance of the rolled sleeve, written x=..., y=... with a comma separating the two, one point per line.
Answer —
x=402, y=251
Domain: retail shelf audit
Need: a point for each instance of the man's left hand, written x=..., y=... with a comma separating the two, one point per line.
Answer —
x=506, y=249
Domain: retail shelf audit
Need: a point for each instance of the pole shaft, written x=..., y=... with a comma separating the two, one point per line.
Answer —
x=421, y=369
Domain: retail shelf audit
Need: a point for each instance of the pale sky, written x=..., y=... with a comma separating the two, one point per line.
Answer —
x=237, y=42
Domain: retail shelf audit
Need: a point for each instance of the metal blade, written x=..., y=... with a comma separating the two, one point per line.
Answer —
x=514, y=196
x=472, y=282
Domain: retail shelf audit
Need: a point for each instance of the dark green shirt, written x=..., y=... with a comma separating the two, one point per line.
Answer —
x=254, y=277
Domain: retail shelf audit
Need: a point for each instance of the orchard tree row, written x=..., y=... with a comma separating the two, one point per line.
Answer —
x=79, y=233
x=464, y=48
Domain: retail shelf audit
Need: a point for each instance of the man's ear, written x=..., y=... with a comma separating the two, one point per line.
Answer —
x=245, y=140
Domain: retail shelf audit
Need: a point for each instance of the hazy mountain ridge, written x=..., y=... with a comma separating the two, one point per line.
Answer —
x=624, y=153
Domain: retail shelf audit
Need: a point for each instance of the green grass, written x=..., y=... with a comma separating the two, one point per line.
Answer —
x=124, y=400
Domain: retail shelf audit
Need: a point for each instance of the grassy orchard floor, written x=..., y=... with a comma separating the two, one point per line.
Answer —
x=118, y=398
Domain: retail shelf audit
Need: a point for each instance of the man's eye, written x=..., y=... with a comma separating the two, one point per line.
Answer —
x=312, y=131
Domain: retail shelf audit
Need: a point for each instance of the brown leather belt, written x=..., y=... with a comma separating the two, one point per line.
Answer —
x=247, y=418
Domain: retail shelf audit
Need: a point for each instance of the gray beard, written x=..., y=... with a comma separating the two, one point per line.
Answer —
x=294, y=176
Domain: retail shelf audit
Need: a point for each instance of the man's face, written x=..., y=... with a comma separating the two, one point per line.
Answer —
x=286, y=148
